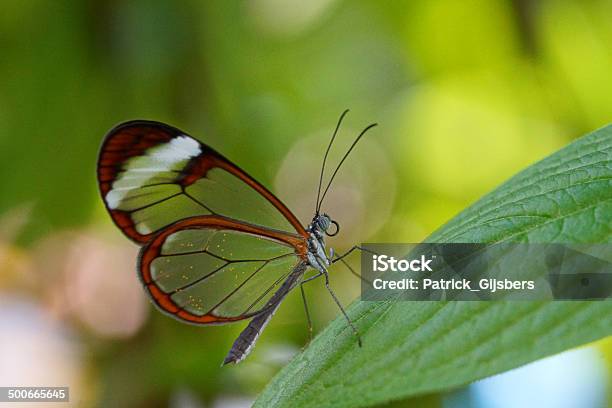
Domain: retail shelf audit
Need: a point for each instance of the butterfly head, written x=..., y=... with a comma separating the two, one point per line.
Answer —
x=321, y=224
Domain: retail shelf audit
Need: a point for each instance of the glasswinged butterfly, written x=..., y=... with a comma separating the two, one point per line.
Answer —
x=217, y=246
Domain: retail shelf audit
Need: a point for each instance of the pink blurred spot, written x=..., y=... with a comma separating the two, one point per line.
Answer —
x=36, y=350
x=102, y=288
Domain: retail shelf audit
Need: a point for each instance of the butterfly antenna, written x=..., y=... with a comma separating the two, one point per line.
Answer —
x=317, y=206
x=363, y=132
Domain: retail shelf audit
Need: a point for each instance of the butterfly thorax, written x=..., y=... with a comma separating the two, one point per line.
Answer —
x=318, y=228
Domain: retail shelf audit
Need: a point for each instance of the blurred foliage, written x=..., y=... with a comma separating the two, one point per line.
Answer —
x=467, y=94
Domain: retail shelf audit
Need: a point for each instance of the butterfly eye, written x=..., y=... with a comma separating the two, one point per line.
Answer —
x=337, y=230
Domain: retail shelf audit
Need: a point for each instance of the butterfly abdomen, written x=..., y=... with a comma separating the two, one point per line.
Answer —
x=246, y=341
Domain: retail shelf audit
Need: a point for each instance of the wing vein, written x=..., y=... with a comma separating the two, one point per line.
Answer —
x=154, y=203
x=198, y=202
x=276, y=282
x=229, y=295
x=205, y=251
x=195, y=282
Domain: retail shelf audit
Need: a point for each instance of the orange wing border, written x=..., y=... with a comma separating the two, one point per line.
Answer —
x=153, y=248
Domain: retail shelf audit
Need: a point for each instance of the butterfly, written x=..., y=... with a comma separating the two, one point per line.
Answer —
x=216, y=245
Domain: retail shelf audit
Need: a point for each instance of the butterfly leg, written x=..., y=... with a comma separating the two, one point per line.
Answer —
x=350, y=251
x=310, y=331
x=320, y=263
x=348, y=319
x=350, y=268
x=307, y=312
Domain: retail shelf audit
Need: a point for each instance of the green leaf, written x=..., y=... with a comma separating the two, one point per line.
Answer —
x=412, y=348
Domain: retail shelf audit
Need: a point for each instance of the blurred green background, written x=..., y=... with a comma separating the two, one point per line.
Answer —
x=466, y=93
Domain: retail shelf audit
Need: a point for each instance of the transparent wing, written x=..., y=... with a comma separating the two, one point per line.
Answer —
x=152, y=175
x=212, y=270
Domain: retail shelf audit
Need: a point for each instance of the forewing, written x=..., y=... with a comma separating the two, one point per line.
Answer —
x=212, y=270
x=152, y=175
